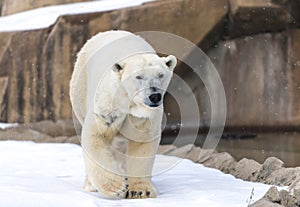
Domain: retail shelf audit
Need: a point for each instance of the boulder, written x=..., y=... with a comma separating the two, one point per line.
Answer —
x=274, y=198
x=246, y=169
x=64, y=139
x=264, y=203
x=194, y=154
x=74, y=140
x=287, y=200
x=24, y=135
x=54, y=129
x=189, y=151
x=12, y=7
x=296, y=194
x=270, y=165
x=181, y=151
x=221, y=161
x=44, y=131
x=165, y=149
x=43, y=60
x=273, y=195
x=295, y=189
x=284, y=176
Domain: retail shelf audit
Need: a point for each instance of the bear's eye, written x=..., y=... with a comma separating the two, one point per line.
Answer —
x=160, y=75
x=139, y=77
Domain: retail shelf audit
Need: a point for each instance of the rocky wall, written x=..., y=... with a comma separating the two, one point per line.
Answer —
x=254, y=45
x=1, y=2
x=8, y=7
x=39, y=63
x=261, y=77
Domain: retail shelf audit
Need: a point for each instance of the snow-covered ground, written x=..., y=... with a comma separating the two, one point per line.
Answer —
x=52, y=175
x=7, y=125
x=46, y=16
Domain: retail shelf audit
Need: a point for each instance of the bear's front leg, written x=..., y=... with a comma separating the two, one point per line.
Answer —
x=104, y=170
x=109, y=122
x=139, y=166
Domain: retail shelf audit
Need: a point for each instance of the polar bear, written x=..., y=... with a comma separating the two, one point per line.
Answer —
x=116, y=92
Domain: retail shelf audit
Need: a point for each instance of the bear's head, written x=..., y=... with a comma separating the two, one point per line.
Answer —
x=145, y=78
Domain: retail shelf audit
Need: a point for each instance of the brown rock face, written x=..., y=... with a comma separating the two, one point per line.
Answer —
x=1, y=2
x=260, y=75
x=39, y=67
x=12, y=7
x=39, y=63
x=3, y=87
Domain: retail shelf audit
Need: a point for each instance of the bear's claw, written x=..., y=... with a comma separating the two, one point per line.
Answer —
x=140, y=190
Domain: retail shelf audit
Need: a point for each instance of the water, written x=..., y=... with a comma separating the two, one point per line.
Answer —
x=257, y=146
x=285, y=146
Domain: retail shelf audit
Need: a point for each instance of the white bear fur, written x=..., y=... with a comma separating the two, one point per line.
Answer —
x=120, y=132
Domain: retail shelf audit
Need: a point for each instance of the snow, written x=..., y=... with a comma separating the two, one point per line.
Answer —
x=7, y=125
x=47, y=16
x=52, y=175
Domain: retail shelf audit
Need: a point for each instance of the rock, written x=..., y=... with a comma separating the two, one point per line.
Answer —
x=206, y=154
x=165, y=149
x=64, y=139
x=53, y=129
x=287, y=200
x=182, y=151
x=24, y=135
x=46, y=127
x=189, y=151
x=270, y=165
x=67, y=127
x=296, y=194
x=264, y=203
x=252, y=16
x=43, y=60
x=273, y=195
x=194, y=154
x=295, y=189
x=44, y=131
x=222, y=161
x=11, y=7
x=38, y=132
x=284, y=176
x=246, y=169
x=74, y=140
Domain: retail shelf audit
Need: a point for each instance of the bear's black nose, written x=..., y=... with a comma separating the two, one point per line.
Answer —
x=155, y=98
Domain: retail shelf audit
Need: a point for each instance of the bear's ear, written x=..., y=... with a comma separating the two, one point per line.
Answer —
x=170, y=61
x=117, y=67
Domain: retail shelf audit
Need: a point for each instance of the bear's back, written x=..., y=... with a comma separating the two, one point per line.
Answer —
x=78, y=84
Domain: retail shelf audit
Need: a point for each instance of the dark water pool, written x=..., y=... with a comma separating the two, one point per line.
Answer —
x=257, y=146
x=284, y=145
